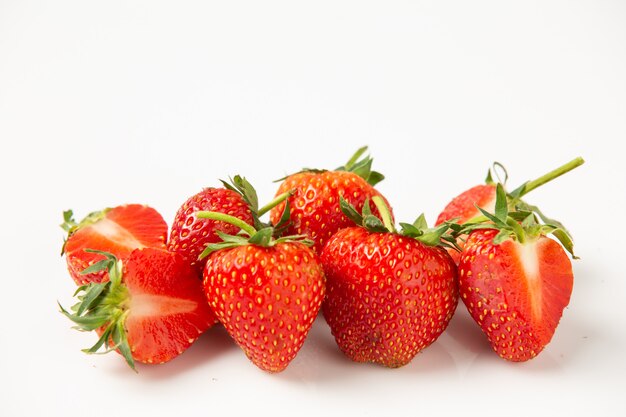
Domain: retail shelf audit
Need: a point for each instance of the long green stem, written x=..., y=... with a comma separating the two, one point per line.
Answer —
x=276, y=201
x=384, y=213
x=214, y=215
x=531, y=185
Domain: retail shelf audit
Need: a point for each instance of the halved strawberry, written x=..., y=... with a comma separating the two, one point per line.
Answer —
x=118, y=230
x=514, y=280
x=151, y=310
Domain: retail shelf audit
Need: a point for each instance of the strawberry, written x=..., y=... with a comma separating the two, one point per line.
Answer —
x=190, y=235
x=151, y=310
x=389, y=295
x=314, y=205
x=465, y=207
x=118, y=230
x=265, y=292
x=514, y=280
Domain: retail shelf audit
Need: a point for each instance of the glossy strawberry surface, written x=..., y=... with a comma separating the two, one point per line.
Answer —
x=463, y=206
x=190, y=234
x=315, y=210
x=388, y=296
x=266, y=297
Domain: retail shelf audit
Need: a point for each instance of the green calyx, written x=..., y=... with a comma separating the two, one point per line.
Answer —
x=249, y=235
x=259, y=234
x=418, y=230
x=357, y=165
x=103, y=306
x=515, y=218
x=70, y=226
x=524, y=223
x=362, y=167
x=241, y=186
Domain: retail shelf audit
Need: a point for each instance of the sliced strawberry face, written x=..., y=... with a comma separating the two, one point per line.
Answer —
x=167, y=309
x=315, y=210
x=119, y=231
x=516, y=292
x=151, y=310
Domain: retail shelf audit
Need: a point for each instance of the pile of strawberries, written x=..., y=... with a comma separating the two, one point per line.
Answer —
x=331, y=244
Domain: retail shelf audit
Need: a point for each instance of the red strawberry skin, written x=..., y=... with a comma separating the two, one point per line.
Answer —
x=315, y=210
x=267, y=298
x=515, y=292
x=388, y=296
x=464, y=205
x=166, y=306
x=190, y=235
x=119, y=231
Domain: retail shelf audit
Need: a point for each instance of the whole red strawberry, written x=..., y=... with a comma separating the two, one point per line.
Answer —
x=465, y=207
x=515, y=281
x=314, y=205
x=190, y=234
x=118, y=230
x=389, y=295
x=151, y=310
x=265, y=292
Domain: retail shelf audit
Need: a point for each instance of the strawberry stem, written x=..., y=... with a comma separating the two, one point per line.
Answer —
x=531, y=185
x=213, y=215
x=385, y=214
x=276, y=201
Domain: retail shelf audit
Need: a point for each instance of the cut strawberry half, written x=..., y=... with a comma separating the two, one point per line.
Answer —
x=514, y=280
x=515, y=291
x=118, y=230
x=151, y=310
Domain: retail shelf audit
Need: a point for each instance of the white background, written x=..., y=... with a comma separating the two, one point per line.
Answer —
x=111, y=102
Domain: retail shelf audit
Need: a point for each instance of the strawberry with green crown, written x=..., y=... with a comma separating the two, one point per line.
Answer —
x=389, y=294
x=315, y=210
x=266, y=291
x=190, y=234
x=515, y=280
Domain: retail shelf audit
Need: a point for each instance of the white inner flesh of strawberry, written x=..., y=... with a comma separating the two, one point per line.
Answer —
x=529, y=259
x=116, y=234
x=150, y=305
